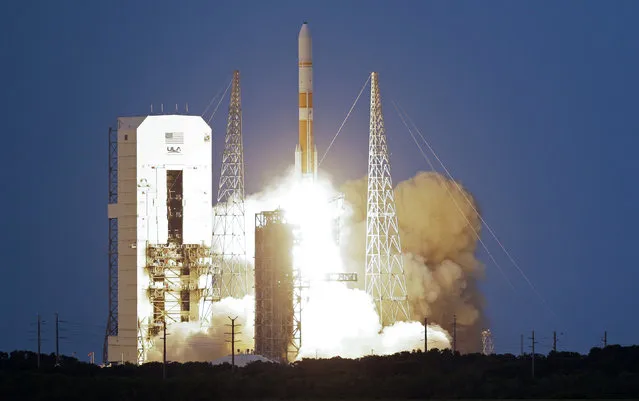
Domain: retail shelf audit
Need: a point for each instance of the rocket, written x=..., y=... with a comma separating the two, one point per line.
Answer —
x=305, y=151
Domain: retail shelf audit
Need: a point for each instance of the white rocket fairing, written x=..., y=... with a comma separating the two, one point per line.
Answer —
x=305, y=151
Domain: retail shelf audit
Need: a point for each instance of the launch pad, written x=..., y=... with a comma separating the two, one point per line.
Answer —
x=282, y=279
x=172, y=258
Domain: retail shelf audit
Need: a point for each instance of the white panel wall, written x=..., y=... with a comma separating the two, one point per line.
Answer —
x=194, y=159
x=143, y=159
x=155, y=155
x=197, y=205
x=124, y=346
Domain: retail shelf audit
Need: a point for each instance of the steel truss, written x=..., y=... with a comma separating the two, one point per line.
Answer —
x=230, y=267
x=278, y=288
x=173, y=271
x=487, y=346
x=384, y=279
x=112, y=319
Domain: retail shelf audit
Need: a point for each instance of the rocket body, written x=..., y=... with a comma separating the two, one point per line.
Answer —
x=306, y=151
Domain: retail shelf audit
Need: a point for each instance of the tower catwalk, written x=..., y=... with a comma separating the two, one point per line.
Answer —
x=385, y=280
x=231, y=278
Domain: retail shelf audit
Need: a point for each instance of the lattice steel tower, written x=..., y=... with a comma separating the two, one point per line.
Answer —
x=112, y=319
x=487, y=346
x=385, y=280
x=231, y=278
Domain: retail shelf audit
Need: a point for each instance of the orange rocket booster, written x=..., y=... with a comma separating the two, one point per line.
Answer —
x=306, y=151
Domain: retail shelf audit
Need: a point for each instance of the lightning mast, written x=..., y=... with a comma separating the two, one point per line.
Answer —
x=385, y=280
x=487, y=346
x=231, y=277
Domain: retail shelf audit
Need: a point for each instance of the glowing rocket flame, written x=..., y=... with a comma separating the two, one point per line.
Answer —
x=336, y=320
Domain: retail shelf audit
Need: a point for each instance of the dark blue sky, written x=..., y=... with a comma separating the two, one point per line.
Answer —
x=532, y=106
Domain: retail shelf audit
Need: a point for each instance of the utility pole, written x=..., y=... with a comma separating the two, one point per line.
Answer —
x=533, y=342
x=57, y=340
x=425, y=334
x=454, y=333
x=605, y=339
x=39, y=341
x=554, y=341
x=521, y=345
x=164, y=350
x=233, y=333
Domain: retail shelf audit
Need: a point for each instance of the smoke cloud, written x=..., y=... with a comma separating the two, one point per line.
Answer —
x=338, y=321
x=438, y=246
x=438, y=230
x=189, y=342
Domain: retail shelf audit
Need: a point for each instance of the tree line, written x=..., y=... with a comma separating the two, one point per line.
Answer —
x=611, y=372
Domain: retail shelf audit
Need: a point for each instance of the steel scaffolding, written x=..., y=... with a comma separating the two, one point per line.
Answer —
x=277, y=301
x=112, y=318
x=384, y=279
x=230, y=267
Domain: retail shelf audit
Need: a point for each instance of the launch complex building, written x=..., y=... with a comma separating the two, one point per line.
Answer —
x=172, y=256
x=159, y=212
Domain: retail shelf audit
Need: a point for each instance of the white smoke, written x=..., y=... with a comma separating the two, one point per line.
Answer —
x=187, y=341
x=439, y=229
x=337, y=320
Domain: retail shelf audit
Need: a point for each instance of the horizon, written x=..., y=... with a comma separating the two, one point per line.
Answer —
x=530, y=107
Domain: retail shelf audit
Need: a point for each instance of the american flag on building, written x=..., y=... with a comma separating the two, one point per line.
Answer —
x=174, y=138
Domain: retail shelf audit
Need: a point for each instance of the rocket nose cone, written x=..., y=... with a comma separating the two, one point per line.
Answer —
x=304, y=31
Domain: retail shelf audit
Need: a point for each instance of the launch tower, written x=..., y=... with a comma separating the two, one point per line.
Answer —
x=159, y=228
x=231, y=275
x=277, y=317
x=384, y=279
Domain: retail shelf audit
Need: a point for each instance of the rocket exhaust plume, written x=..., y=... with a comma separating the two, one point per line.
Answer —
x=187, y=341
x=336, y=320
x=438, y=247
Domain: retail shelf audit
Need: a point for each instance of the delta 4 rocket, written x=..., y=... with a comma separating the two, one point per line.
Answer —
x=305, y=151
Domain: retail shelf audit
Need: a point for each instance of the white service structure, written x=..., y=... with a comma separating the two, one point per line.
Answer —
x=164, y=226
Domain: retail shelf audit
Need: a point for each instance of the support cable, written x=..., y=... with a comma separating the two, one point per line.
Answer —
x=220, y=101
x=490, y=230
x=214, y=97
x=430, y=163
x=344, y=122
